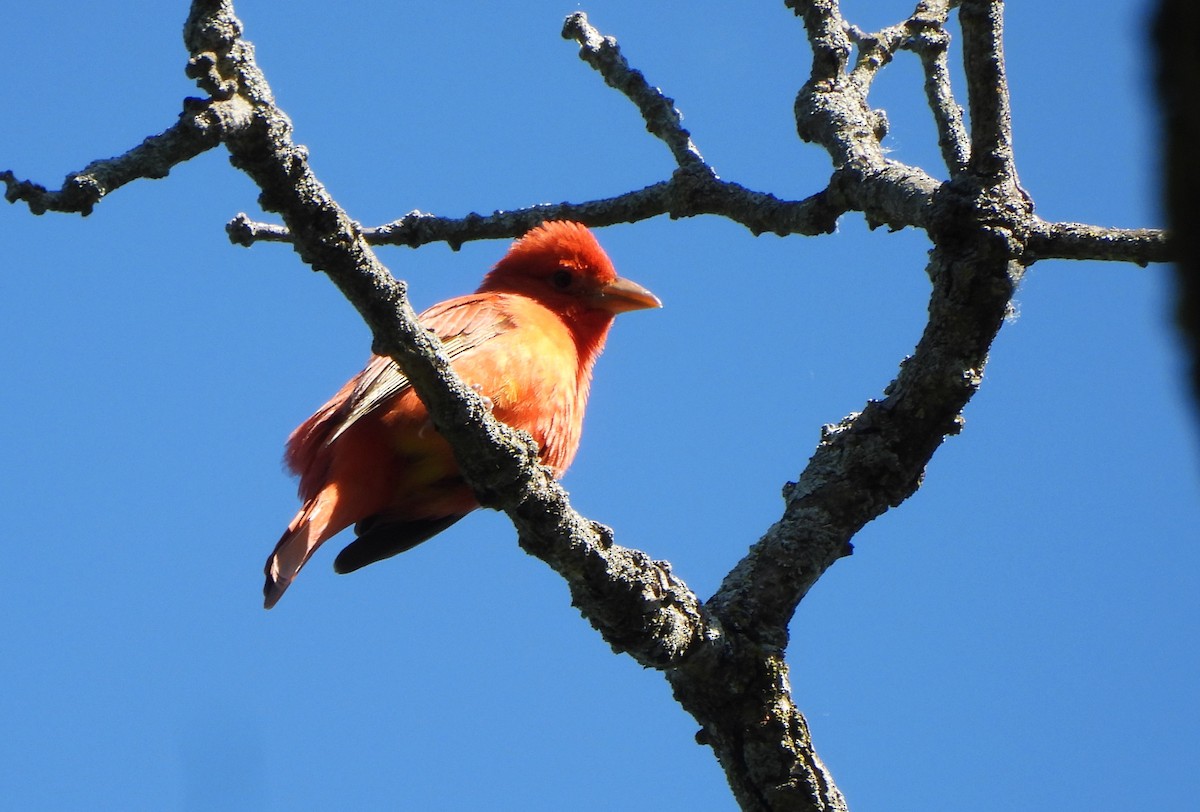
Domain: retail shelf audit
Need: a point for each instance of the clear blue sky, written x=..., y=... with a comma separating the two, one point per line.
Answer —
x=1019, y=635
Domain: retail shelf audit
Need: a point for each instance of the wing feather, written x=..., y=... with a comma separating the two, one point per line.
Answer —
x=462, y=325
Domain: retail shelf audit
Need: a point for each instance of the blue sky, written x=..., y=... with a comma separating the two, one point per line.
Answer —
x=1020, y=634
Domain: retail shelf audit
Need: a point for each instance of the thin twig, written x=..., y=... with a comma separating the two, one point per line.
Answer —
x=875, y=50
x=196, y=131
x=930, y=40
x=662, y=119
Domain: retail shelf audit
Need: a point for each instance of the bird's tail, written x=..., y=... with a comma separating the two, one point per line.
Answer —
x=313, y=525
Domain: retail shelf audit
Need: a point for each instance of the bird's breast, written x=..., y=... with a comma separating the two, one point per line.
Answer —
x=532, y=376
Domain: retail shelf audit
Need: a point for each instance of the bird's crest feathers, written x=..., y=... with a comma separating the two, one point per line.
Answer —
x=553, y=246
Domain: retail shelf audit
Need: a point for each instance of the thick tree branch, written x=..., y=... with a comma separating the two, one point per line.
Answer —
x=828, y=35
x=875, y=459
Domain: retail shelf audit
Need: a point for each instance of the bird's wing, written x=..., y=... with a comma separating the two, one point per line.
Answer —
x=462, y=325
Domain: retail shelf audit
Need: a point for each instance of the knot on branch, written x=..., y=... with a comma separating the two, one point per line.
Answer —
x=577, y=27
x=925, y=31
x=413, y=229
x=211, y=26
x=80, y=193
x=996, y=219
x=692, y=189
x=878, y=119
x=927, y=37
x=204, y=69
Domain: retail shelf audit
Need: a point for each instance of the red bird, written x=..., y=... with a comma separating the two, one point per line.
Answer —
x=526, y=340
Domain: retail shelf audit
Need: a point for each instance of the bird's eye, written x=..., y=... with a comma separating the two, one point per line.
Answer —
x=562, y=279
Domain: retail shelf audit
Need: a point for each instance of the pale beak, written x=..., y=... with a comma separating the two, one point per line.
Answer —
x=622, y=295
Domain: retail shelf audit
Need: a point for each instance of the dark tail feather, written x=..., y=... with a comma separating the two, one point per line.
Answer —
x=379, y=539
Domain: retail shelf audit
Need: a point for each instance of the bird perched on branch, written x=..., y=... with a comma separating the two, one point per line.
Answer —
x=526, y=340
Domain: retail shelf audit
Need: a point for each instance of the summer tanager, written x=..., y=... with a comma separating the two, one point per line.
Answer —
x=526, y=340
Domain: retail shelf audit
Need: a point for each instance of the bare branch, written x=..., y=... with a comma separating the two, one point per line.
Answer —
x=828, y=35
x=198, y=129
x=246, y=232
x=740, y=693
x=875, y=459
x=1081, y=241
x=662, y=119
x=693, y=189
x=987, y=89
x=930, y=40
x=925, y=34
x=833, y=111
x=689, y=193
x=874, y=51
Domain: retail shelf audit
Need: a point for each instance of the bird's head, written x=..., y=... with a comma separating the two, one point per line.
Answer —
x=560, y=264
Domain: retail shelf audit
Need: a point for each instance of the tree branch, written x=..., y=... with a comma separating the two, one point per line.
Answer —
x=987, y=89
x=689, y=192
x=1082, y=241
x=828, y=37
x=199, y=129
x=693, y=189
x=874, y=460
x=832, y=110
x=930, y=41
x=662, y=119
